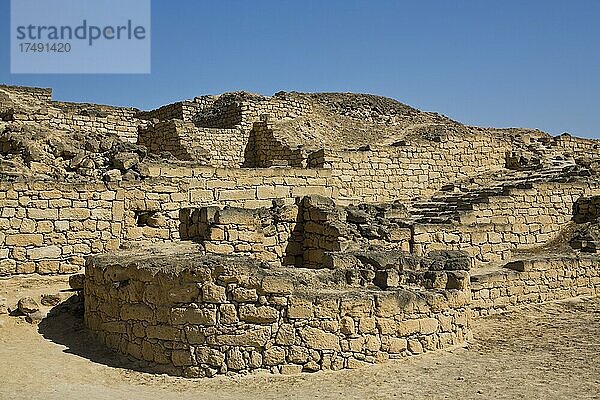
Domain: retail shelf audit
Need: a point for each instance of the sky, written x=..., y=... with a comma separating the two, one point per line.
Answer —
x=526, y=63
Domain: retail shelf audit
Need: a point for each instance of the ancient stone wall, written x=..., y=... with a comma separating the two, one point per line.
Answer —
x=268, y=234
x=96, y=118
x=266, y=150
x=522, y=219
x=534, y=281
x=47, y=227
x=26, y=104
x=230, y=315
x=230, y=111
x=415, y=170
x=182, y=110
x=214, y=146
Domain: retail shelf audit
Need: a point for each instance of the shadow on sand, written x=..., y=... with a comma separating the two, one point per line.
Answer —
x=64, y=326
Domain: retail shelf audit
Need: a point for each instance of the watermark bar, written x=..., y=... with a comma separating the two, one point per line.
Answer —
x=80, y=36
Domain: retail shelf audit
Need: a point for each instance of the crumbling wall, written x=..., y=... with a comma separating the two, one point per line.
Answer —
x=24, y=104
x=185, y=141
x=267, y=234
x=48, y=227
x=212, y=317
x=232, y=110
x=265, y=150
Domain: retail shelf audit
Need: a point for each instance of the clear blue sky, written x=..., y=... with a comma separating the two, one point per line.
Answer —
x=489, y=63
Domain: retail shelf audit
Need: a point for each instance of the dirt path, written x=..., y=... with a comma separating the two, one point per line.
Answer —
x=550, y=351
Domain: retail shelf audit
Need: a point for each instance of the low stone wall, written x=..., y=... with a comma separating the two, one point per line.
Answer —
x=523, y=219
x=228, y=314
x=268, y=234
x=534, y=281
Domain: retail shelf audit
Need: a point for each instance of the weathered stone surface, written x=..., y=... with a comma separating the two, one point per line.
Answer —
x=76, y=282
x=212, y=293
x=319, y=340
x=277, y=285
x=274, y=356
x=28, y=305
x=261, y=314
x=254, y=337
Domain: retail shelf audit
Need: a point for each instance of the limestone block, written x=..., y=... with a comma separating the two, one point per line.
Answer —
x=47, y=252
x=139, y=311
x=183, y=294
x=181, y=358
x=277, y=285
x=299, y=308
x=286, y=335
x=24, y=240
x=213, y=293
x=274, y=356
x=260, y=315
x=347, y=326
x=290, y=369
x=235, y=359
x=244, y=295
x=209, y=356
x=319, y=340
x=195, y=316
x=217, y=248
x=164, y=332
x=415, y=346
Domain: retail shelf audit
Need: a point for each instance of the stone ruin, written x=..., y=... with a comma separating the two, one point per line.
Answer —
x=298, y=232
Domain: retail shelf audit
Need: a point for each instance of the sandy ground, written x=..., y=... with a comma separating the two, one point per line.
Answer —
x=551, y=351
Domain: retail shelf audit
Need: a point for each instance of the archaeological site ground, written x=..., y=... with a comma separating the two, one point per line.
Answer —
x=326, y=236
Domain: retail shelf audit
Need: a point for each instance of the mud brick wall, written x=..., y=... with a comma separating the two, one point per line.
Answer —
x=407, y=172
x=228, y=316
x=534, y=281
x=96, y=118
x=523, y=219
